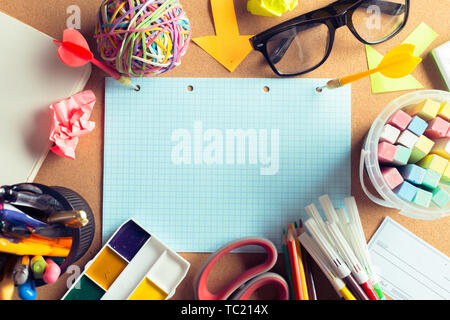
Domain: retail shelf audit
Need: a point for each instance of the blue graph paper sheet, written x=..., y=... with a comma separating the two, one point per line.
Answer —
x=200, y=162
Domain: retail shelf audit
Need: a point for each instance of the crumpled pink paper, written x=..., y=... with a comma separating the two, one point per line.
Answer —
x=71, y=120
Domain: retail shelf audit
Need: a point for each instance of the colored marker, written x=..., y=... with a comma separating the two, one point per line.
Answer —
x=52, y=271
x=71, y=219
x=340, y=268
x=14, y=216
x=28, y=195
x=38, y=266
x=53, y=231
x=359, y=243
x=350, y=259
x=33, y=246
x=311, y=247
x=21, y=272
x=27, y=291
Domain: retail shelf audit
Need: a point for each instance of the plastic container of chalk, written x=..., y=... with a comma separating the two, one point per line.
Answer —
x=369, y=165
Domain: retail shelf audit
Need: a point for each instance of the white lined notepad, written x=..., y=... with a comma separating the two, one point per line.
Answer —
x=32, y=78
x=408, y=267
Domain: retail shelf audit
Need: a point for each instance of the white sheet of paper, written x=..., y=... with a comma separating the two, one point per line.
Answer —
x=408, y=267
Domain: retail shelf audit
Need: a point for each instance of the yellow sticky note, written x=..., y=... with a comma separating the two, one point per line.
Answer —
x=444, y=111
x=421, y=37
x=270, y=8
x=426, y=109
x=422, y=147
x=434, y=162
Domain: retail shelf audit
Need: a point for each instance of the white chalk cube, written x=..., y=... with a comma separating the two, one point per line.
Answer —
x=407, y=139
x=389, y=134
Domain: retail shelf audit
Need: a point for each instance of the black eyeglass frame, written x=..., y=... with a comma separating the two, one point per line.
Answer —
x=333, y=21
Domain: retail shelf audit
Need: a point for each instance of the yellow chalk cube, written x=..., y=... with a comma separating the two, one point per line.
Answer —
x=422, y=147
x=444, y=111
x=442, y=148
x=427, y=109
x=446, y=176
x=434, y=162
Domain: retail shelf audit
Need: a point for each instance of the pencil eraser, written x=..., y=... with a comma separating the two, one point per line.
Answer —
x=422, y=147
x=401, y=155
x=392, y=177
x=434, y=162
x=431, y=179
x=407, y=139
x=444, y=111
x=390, y=134
x=417, y=126
x=413, y=173
x=437, y=128
x=386, y=152
x=440, y=57
x=423, y=198
x=406, y=191
x=399, y=119
x=427, y=109
x=446, y=175
x=442, y=148
x=440, y=197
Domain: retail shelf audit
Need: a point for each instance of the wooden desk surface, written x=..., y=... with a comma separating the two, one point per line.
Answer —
x=84, y=174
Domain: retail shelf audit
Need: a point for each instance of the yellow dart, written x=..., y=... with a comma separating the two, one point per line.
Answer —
x=397, y=63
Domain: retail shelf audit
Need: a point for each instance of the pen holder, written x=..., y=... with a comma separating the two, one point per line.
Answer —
x=369, y=160
x=81, y=237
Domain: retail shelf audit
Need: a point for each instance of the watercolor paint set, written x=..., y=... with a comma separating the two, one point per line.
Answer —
x=132, y=265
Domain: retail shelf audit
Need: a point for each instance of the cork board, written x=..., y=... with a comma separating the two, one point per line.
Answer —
x=84, y=175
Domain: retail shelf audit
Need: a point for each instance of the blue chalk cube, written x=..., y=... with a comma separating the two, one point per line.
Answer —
x=431, y=179
x=423, y=198
x=406, y=191
x=413, y=173
x=440, y=197
x=417, y=126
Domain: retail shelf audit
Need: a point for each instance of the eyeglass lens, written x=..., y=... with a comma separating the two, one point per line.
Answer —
x=298, y=48
x=374, y=20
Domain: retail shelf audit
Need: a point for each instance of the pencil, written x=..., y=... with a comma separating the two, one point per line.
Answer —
x=301, y=264
x=287, y=264
x=293, y=256
x=307, y=264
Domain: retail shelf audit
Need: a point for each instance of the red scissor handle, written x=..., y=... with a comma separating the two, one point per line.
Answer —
x=201, y=289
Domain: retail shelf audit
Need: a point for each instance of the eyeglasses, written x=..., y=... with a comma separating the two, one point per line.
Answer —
x=302, y=44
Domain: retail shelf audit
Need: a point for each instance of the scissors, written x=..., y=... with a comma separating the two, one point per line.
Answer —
x=248, y=282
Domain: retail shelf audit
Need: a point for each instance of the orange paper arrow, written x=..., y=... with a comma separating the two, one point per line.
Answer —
x=228, y=47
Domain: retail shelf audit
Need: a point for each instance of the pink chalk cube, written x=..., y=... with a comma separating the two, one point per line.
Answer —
x=392, y=177
x=437, y=128
x=448, y=134
x=400, y=120
x=386, y=152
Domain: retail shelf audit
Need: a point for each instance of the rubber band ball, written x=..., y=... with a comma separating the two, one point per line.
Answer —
x=142, y=38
